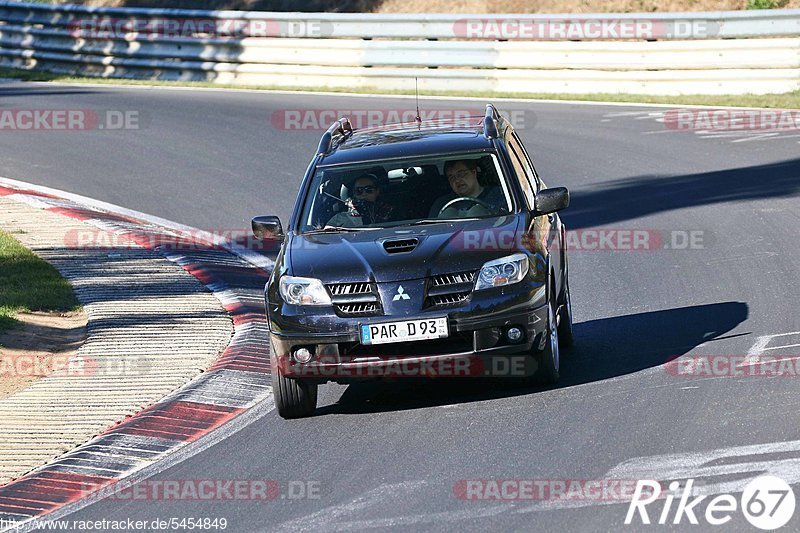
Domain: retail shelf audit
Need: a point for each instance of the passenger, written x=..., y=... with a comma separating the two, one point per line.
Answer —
x=462, y=174
x=365, y=205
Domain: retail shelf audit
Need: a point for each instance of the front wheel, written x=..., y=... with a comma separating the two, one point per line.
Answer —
x=548, y=359
x=293, y=398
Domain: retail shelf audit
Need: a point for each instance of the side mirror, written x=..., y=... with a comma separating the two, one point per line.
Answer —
x=267, y=228
x=551, y=200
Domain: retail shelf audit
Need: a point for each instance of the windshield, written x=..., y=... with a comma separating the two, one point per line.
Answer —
x=401, y=192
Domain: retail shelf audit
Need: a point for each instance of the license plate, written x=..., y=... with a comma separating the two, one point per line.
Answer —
x=403, y=331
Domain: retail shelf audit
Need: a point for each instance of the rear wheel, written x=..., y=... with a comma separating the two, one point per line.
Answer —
x=293, y=398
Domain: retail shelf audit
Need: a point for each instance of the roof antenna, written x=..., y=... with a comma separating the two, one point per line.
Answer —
x=416, y=91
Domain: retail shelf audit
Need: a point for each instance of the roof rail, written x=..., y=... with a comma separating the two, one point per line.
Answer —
x=341, y=128
x=489, y=125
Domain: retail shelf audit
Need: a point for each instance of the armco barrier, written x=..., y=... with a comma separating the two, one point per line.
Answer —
x=712, y=55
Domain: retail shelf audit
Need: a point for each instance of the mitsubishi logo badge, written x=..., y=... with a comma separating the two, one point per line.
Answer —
x=401, y=294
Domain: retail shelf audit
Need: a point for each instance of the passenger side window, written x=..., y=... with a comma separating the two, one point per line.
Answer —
x=515, y=153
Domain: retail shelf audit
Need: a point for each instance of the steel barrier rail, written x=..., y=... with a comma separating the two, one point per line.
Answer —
x=722, y=81
x=36, y=36
x=716, y=24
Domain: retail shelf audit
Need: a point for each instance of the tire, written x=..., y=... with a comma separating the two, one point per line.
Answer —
x=548, y=360
x=565, y=334
x=293, y=398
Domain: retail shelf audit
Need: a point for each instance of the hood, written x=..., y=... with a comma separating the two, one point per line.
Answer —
x=440, y=248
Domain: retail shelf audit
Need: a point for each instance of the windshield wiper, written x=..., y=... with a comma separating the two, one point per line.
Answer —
x=335, y=229
x=437, y=221
x=427, y=221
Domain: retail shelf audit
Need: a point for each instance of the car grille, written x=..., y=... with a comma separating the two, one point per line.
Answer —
x=449, y=289
x=452, y=279
x=355, y=299
x=359, y=309
x=343, y=289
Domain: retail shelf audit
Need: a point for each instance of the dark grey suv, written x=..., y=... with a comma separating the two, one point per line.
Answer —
x=422, y=249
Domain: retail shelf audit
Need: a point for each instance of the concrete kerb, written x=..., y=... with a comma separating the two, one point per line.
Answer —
x=190, y=330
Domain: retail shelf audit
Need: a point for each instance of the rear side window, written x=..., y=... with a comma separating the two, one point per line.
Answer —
x=521, y=170
x=526, y=160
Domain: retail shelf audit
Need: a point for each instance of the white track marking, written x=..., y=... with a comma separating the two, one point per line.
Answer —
x=743, y=463
x=656, y=132
x=776, y=335
x=758, y=362
x=755, y=350
x=341, y=517
x=762, y=344
x=780, y=347
x=734, y=136
x=759, y=345
x=759, y=137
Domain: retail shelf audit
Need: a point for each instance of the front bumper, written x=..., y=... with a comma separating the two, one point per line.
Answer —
x=477, y=345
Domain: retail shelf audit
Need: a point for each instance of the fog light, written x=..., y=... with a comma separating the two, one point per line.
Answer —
x=514, y=334
x=302, y=355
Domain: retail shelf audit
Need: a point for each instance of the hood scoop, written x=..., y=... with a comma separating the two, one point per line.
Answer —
x=399, y=246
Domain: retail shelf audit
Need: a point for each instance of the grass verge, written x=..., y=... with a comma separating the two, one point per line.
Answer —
x=28, y=283
x=780, y=101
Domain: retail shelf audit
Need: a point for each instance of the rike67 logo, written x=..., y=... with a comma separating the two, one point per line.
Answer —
x=767, y=503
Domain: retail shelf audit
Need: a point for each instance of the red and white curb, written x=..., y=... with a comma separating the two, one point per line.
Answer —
x=234, y=384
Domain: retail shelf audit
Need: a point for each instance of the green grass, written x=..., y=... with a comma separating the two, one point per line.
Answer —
x=782, y=101
x=28, y=283
x=766, y=4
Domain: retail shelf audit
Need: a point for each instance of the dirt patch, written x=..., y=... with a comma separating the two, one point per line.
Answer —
x=44, y=343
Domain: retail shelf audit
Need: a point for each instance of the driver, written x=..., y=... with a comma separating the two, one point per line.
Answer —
x=462, y=174
x=365, y=206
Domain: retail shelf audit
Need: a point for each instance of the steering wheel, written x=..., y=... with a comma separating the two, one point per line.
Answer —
x=477, y=201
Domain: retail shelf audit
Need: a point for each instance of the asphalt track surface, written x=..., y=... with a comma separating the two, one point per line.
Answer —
x=389, y=455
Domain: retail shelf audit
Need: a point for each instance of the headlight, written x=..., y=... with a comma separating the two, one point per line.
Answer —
x=503, y=271
x=303, y=291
